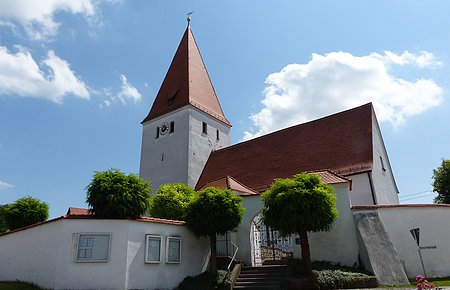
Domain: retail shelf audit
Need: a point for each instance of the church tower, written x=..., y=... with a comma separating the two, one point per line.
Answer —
x=185, y=123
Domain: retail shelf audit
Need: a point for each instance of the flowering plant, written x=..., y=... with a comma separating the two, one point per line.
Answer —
x=422, y=283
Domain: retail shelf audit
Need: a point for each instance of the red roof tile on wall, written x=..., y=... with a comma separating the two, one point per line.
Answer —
x=340, y=142
x=187, y=83
x=229, y=182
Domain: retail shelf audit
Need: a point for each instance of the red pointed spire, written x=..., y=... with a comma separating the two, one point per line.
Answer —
x=187, y=83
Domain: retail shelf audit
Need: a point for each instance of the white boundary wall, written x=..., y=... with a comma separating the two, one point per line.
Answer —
x=434, y=224
x=45, y=255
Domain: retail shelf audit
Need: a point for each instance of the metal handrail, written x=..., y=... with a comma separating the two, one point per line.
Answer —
x=234, y=255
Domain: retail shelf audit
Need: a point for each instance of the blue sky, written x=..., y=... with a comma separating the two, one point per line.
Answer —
x=78, y=77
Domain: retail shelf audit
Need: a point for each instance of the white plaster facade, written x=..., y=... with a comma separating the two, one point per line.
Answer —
x=179, y=157
x=45, y=255
x=339, y=245
x=378, y=185
x=434, y=224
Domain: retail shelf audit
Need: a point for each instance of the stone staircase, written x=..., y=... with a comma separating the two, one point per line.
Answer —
x=261, y=277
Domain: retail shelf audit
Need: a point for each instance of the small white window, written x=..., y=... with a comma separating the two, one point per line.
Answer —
x=93, y=247
x=173, y=250
x=153, y=249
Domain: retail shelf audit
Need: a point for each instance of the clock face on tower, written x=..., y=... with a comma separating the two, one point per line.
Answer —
x=164, y=128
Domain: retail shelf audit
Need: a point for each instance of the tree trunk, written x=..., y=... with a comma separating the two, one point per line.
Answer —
x=306, y=255
x=213, y=260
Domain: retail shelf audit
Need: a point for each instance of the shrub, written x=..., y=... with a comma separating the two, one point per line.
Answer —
x=206, y=281
x=112, y=194
x=24, y=212
x=214, y=211
x=337, y=279
x=171, y=201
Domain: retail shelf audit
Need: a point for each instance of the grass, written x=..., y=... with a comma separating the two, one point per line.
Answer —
x=438, y=282
x=17, y=286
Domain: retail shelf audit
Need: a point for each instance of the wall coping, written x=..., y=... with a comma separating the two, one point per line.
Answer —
x=380, y=206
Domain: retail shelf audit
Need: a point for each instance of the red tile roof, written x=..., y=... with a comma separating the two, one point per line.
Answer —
x=229, y=182
x=78, y=211
x=340, y=142
x=327, y=176
x=187, y=83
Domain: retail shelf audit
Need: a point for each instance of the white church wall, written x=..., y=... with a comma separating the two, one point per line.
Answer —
x=46, y=255
x=241, y=237
x=165, y=159
x=340, y=244
x=434, y=224
x=361, y=192
x=200, y=144
x=382, y=176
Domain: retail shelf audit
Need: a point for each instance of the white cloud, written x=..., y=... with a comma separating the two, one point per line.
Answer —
x=21, y=75
x=126, y=94
x=337, y=81
x=37, y=17
x=5, y=185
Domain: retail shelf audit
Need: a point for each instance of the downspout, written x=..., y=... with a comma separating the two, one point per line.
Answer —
x=374, y=198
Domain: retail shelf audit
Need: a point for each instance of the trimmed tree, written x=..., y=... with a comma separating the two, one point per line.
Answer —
x=214, y=211
x=113, y=194
x=441, y=182
x=300, y=205
x=171, y=201
x=24, y=212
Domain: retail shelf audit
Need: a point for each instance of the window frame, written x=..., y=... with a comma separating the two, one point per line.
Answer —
x=77, y=259
x=217, y=134
x=205, y=128
x=172, y=127
x=147, y=237
x=167, y=249
x=157, y=132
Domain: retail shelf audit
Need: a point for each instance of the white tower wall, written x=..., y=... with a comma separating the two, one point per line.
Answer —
x=201, y=144
x=179, y=157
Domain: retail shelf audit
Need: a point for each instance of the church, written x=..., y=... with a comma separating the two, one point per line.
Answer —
x=186, y=139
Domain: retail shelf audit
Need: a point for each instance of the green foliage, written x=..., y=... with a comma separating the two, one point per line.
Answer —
x=24, y=212
x=206, y=281
x=214, y=211
x=113, y=194
x=300, y=203
x=337, y=279
x=171, y=201
x=3, y=226
x=441, y=182
x=18, y=286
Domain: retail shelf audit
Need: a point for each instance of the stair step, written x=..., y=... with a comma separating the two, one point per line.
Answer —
x=263, y=270
x=254, y=284
x=257, y=287
x=262, y=276
x=243, y=279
